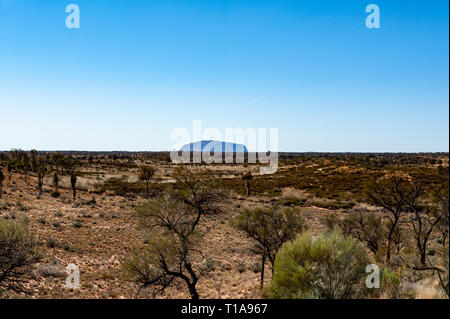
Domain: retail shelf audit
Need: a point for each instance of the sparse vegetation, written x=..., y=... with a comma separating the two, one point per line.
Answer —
x=222, y=257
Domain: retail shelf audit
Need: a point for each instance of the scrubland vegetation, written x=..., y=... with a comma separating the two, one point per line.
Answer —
x=139, y=226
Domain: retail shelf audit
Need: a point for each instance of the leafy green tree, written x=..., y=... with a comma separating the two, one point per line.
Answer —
x=270, y=228
x=330, y=266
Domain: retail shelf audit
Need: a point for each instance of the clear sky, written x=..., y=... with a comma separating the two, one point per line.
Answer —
x=135, y=70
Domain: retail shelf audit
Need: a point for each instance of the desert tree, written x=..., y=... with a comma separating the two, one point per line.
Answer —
x=366, y=227
x=33, y=160
x=247, y=177
x=55, y=181
x=73, y=183
x=57, y=159
x=398, y=239
x=2, y=178
x=199, y=189
x=41, y=170
x=18, y=254
x=270, y=228
x=10, y=168
x=172, y=221
x=441, y=268
x=425, y=218
x=438, y=210
x=440, y=198
x=26, y=166
x=146, y=172
x=443, y=275
x=389, y=193
x=171, y=245
x=18, y=166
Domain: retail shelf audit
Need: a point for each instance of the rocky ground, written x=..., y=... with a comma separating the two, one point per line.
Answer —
x=97, y=231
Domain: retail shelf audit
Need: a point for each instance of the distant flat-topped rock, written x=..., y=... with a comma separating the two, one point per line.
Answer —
x=214, y=146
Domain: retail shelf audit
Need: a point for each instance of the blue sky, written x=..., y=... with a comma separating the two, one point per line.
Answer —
x=136, y=70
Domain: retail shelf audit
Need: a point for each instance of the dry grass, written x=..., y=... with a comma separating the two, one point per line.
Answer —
x=98, y=230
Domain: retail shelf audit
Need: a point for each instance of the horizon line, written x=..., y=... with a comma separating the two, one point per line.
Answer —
x=165, y=151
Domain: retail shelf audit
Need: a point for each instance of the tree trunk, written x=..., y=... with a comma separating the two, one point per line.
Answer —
x=74, y=193
x=423, y=256
x=263, y=266
x=388, y=251
x=389, y=240
x=1, y=189
x=423, y=252
x=193, y=292
x=247, y=187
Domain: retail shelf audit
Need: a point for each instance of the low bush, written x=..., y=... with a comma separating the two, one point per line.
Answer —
x=330, y=266
x=18, y=254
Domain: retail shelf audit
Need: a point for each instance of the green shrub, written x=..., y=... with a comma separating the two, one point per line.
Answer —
x=18, y=254
x=330, y=266
x=119, y=186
